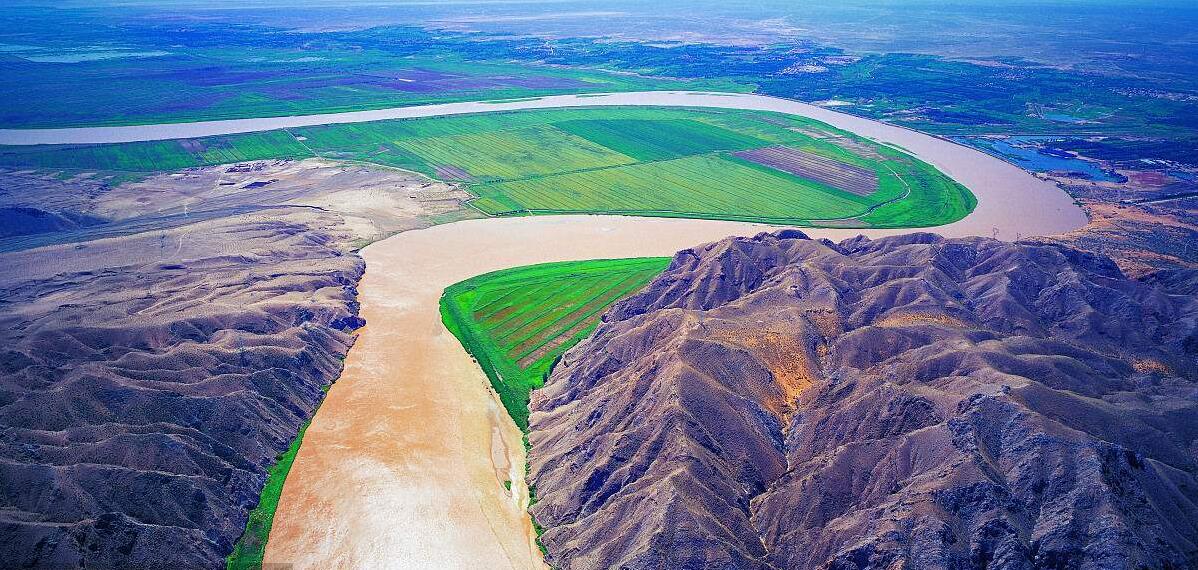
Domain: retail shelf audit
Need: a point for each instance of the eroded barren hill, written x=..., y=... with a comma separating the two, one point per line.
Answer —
x=155, y=361
x=780, y=402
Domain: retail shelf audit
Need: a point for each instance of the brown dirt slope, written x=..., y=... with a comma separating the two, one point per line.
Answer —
x=909, y=402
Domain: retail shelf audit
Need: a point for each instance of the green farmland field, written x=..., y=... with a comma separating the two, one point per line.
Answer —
x=522, y=152
x=705, y=186
x=655, y=161
x=517, y=322
x=156, y=156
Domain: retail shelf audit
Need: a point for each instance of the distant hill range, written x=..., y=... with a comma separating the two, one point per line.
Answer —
x=909, y=402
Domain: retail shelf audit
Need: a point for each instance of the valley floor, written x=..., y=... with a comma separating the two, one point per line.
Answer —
x=411, y=453
x=408, y=455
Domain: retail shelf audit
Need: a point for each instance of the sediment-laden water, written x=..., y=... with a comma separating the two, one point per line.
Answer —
x=405, y=463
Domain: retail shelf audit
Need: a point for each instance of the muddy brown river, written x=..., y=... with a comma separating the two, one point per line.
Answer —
x=405, y=464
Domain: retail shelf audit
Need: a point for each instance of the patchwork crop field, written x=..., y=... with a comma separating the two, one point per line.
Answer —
x=675, y=162
x=852, y=179
x=517, y=322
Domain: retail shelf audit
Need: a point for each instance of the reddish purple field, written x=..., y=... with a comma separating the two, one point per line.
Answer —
x=450, y=172
x=847, y=177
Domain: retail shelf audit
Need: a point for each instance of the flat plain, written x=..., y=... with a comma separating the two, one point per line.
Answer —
x=652, y=161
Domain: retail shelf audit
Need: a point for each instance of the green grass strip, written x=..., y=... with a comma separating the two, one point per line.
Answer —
x=479, y=334
x=251, y=547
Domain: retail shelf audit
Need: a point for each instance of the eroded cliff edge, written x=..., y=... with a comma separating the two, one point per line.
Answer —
x=780, y=402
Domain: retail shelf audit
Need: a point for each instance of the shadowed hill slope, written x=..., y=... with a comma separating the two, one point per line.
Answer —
x=780, y=402
x=152, y=373
x=142, y=402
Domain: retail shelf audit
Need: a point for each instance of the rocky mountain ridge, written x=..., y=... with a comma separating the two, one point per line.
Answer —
x=916, y=402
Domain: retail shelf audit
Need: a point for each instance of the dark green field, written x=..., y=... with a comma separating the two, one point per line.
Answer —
x=648, y=161
x=517, y=322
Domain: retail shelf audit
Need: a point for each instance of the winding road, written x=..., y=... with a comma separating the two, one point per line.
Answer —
x=405, y=463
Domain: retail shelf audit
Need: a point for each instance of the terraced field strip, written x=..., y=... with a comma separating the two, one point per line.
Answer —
x=517, y=322
x=847, y=177
x=552, y=334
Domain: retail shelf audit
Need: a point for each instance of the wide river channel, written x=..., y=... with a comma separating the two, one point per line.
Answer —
x=405, y=464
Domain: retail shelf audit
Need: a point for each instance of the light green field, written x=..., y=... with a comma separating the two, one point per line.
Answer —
x=523, y=152
x=658, y=139
x=703, y=186
x=653, y=161
x=517, y=322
